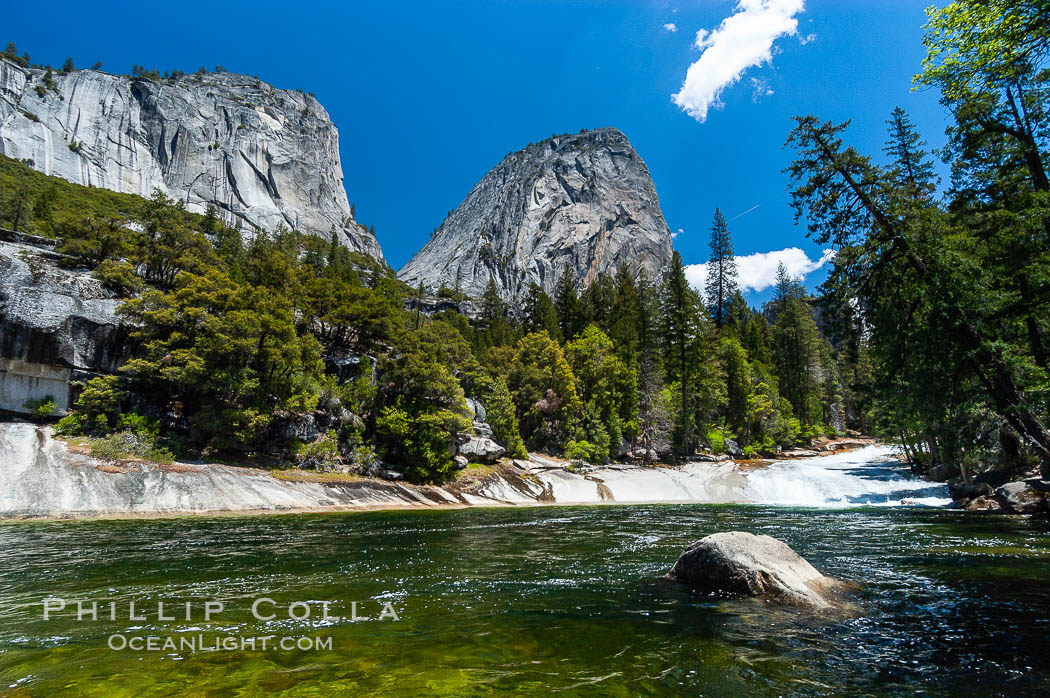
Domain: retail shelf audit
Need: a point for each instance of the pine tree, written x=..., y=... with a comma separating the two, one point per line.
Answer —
x=682, y=326
x=721, y=271
x=540, y=314
x=420, y=292
x=624, y=315
x=571, y=318
x=652, y=421
x=596, y=302
x=911, y=167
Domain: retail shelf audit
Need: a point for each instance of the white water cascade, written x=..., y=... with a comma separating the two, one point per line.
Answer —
x=40, y=476
x=866, y=477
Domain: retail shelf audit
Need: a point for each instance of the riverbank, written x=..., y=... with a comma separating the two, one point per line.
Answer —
x=42, y=477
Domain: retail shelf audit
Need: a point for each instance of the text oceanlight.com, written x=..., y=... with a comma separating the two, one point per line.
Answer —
x=228, y=643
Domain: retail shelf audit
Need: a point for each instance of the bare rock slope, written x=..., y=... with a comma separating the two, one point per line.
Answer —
x=262, y=156
x=585, y=200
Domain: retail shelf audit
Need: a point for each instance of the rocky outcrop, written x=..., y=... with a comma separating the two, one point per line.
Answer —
x=1024, y=497
x=482, y=450
x=54, y=323
x=584, y=200
x=742, y=563
x=262, y=156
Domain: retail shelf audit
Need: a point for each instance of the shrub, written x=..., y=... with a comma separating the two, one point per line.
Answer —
x=138, y=424
x=322, y=455
x=421, y=442
x=581, y=452
x=118, y=276
x=99, y=404
x=42, y=407
x=128, y=444
x=70, y=425
x=717, y=438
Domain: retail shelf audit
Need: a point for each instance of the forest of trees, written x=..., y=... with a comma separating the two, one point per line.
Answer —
x=233, y=339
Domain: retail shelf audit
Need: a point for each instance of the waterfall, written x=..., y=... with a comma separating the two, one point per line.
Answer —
x=867, y=476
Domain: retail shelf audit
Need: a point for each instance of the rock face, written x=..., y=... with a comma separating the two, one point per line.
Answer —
x=53, y=324
x=742, y=563
x=262, y=156
x=585, y=200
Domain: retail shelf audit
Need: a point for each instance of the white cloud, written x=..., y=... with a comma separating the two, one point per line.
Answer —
x=676, y=234
x=758, y=271
x=671, y=27
x=759, y=89
x=743, y=40
x=807, y=39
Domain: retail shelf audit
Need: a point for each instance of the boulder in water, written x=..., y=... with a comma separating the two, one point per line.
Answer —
x=743, y=563
x=1023, y=497
x=983, y=503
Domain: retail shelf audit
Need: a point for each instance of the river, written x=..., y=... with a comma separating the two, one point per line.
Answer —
x=535, y=600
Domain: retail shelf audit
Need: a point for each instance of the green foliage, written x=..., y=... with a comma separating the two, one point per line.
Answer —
x=948, y=296
x=716, y=438
x=420, y=442
x=543, y=388
x=502, y=417
x=124, y=445
x=119, y=276
x=98, y=405
x=42, y=407
x=227, y=354
x=322, y=455
x=606, y=386
x=582, y=452
x=422, y=407
x=721, y=271
x=66, y=199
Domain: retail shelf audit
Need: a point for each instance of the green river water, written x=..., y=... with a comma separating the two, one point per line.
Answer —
x=527, y=601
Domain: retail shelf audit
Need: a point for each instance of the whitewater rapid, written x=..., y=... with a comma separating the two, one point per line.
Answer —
x=869, y=476
x=39, y=476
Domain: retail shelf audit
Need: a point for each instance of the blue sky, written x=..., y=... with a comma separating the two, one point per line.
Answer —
x=429, y=96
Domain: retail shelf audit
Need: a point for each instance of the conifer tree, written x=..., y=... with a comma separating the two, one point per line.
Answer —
x=681, y=310
x=539, y=313
x=570, y=312
x=652, y=420
x=624, y=315
x=721, y=271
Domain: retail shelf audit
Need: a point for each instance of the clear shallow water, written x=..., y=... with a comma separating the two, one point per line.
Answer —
x=535, y=600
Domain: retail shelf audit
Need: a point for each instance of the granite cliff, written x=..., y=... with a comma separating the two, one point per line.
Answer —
x=261, y=155
x=584, y=200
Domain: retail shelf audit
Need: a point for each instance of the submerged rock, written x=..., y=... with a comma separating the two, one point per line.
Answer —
x=743, y=563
